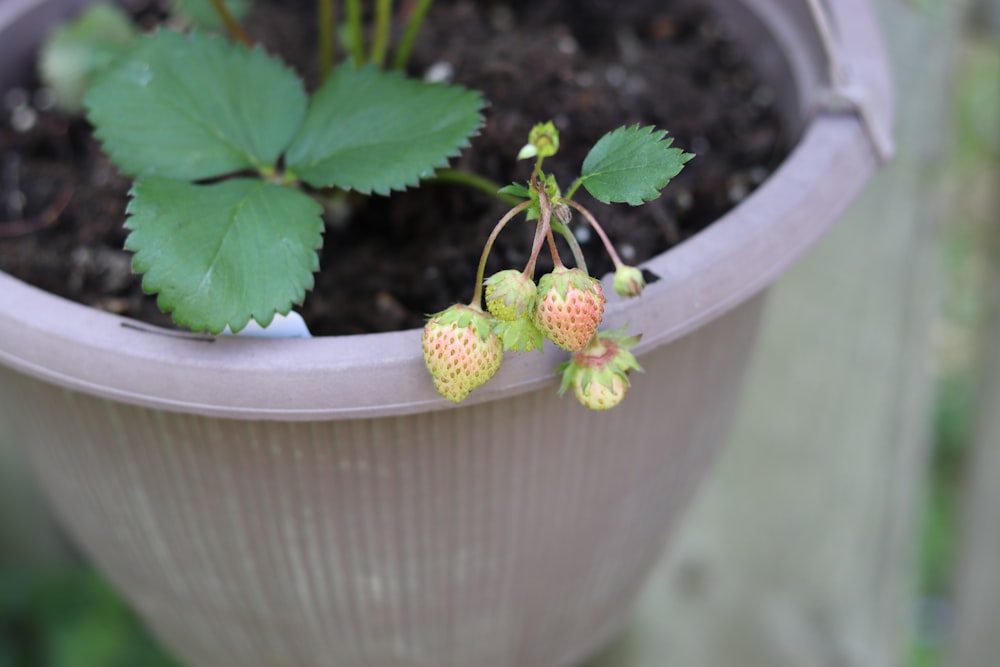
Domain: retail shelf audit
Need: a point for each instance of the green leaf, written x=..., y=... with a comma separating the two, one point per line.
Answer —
x=193, y=107
x=80, y=50
x=376, y=131
x=223, y=253
x=631, y=165
x=201, y=12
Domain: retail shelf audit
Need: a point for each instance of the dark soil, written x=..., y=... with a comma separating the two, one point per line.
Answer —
x=590, y=65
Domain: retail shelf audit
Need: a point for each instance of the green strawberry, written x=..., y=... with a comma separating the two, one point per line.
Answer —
x=569, y=307
x=510, y=295
x=629, y=281
x=460, y=350
x=598, y=373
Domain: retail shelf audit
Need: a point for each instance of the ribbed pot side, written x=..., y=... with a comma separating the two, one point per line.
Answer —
x=314, y=503
x=514, y=533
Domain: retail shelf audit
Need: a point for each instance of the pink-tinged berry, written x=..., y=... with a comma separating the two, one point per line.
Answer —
x=569, y=307
x=598, y=373
x=629, y=281
x=510, y=295
x=460, y=350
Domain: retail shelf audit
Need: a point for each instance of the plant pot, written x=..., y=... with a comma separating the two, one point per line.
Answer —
x=314, y=502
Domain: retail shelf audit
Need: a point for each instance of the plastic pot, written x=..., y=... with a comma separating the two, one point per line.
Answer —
x=314, y=502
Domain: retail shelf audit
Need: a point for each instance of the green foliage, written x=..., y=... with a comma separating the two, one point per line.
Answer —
x=631, y=165
x=181, y=109
x=220, y=254
x=375, y=131
x=70, y=618
x=78, y=51
x=195, y=107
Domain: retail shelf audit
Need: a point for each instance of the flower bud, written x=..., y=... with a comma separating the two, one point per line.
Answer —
x=629, y=281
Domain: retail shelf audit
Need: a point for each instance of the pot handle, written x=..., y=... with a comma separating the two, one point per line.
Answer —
x=846, y=92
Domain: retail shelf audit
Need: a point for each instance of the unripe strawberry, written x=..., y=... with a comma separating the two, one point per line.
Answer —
x=510, y=295
x=460, y=350
x=569, y=307
x=629, y=281
x=598, y=373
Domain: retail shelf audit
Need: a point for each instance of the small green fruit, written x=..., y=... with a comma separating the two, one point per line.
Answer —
x=510, y=295
x=629, y=281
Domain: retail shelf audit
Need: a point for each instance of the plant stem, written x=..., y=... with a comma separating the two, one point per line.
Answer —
x=232, y=25
x=481, y=271
x=380, y=43
x=574, y=245
x=536, y=248
x=474, y=181
x=573, y=188
x=326, y=16
x=413, y=23
x=600, y=231
x=355, y=31
x=543, y=231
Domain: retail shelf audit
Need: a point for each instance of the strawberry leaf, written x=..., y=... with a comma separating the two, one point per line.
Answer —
x=375, y=131
x=223, y=253
x=193, y=107
x=631, y=165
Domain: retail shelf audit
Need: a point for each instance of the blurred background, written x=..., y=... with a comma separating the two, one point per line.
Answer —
x=852, y=519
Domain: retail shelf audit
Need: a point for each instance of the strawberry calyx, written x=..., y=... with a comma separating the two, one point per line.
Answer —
x=599, y=372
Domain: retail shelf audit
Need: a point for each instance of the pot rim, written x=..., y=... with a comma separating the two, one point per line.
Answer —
x=379, y=374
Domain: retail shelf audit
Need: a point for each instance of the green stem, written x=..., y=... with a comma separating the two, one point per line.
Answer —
x=354, y=29
x=326, y=15
x=574, y=245
x=232, y=25
x=380, y=43
x=573, y=188
x=481, y=271
x=474, y=181
x=600, y=231
x=413, y=23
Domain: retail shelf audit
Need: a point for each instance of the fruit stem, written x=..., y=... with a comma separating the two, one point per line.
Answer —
x=536, y=248
x=574, y=245
x=326, y=17
x=600, y=231
x=232, y=26
x=481, y=271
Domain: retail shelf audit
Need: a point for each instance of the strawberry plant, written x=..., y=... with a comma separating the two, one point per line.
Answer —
x=463, y=345
x=233, y=158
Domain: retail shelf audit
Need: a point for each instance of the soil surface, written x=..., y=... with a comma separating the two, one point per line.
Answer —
x=590, y=66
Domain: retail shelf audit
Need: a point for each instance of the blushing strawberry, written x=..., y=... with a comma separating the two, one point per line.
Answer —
x=569, y=307
x=460, y=350
x=598, y=373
